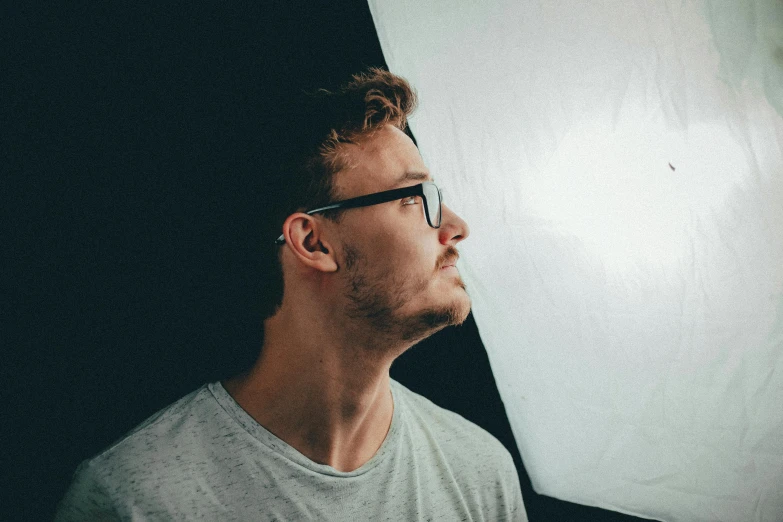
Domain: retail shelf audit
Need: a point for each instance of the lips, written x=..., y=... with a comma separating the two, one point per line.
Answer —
x=452, y=263
x=450, y=257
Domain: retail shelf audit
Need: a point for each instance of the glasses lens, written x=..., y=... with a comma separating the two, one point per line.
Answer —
x=432, y=194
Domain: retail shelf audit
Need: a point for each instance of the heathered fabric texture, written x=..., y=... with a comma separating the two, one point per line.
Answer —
x=205, y=458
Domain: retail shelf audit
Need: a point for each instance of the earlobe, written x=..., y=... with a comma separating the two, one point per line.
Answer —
x=304, y=237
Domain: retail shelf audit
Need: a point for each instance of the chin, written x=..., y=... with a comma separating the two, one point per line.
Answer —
x=452, y=314
x=434, y=319
x=460, y=314
x=459, y=306
x=449, y=306
x=462, y=304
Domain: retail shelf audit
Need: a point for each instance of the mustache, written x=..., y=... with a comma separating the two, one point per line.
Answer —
x=449, y=257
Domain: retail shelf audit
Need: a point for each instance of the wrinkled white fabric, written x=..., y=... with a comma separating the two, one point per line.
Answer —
x=620, y=165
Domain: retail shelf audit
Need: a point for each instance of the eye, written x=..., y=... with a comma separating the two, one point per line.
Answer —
x=410, y=200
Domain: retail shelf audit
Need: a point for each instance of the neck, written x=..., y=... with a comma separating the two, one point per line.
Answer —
x=321, y=387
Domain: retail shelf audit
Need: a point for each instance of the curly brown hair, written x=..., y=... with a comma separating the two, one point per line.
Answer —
x=311, y=158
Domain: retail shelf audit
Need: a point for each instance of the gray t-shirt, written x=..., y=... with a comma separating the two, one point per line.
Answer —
x=205, y=458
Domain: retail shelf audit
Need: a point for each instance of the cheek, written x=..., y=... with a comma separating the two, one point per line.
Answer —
x=393, y=249
x=412, y=255
x=401, y=262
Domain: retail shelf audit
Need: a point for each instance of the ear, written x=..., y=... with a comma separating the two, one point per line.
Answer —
x=305, y=237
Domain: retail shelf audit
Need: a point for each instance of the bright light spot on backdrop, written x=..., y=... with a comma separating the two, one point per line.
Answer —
x=621, y=167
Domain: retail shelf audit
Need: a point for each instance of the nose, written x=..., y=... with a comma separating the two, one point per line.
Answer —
x=453, y=228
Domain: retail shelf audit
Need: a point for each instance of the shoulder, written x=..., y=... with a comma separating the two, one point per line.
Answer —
x=173, y=430
x=452, y=432
x=142, y=456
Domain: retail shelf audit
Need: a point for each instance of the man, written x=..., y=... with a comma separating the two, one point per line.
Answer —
x=316, y=429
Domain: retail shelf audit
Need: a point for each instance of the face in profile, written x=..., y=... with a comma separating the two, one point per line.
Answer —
x=398, y=272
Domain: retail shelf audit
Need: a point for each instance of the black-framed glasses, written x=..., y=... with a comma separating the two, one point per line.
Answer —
x=429, y=192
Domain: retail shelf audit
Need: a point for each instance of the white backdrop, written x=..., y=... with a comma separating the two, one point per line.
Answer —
x=620, y=165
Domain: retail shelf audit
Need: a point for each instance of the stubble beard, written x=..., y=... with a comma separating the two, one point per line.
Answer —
x=378, y=301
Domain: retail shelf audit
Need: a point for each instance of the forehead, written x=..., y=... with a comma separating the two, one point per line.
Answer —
x=379, y=163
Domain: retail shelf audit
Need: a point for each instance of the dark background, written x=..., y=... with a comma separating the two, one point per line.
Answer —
x=134, y=143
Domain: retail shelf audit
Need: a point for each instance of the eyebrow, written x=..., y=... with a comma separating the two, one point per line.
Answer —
x=415, y=176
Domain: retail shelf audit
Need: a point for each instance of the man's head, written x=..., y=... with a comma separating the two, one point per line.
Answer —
x=384, y=266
